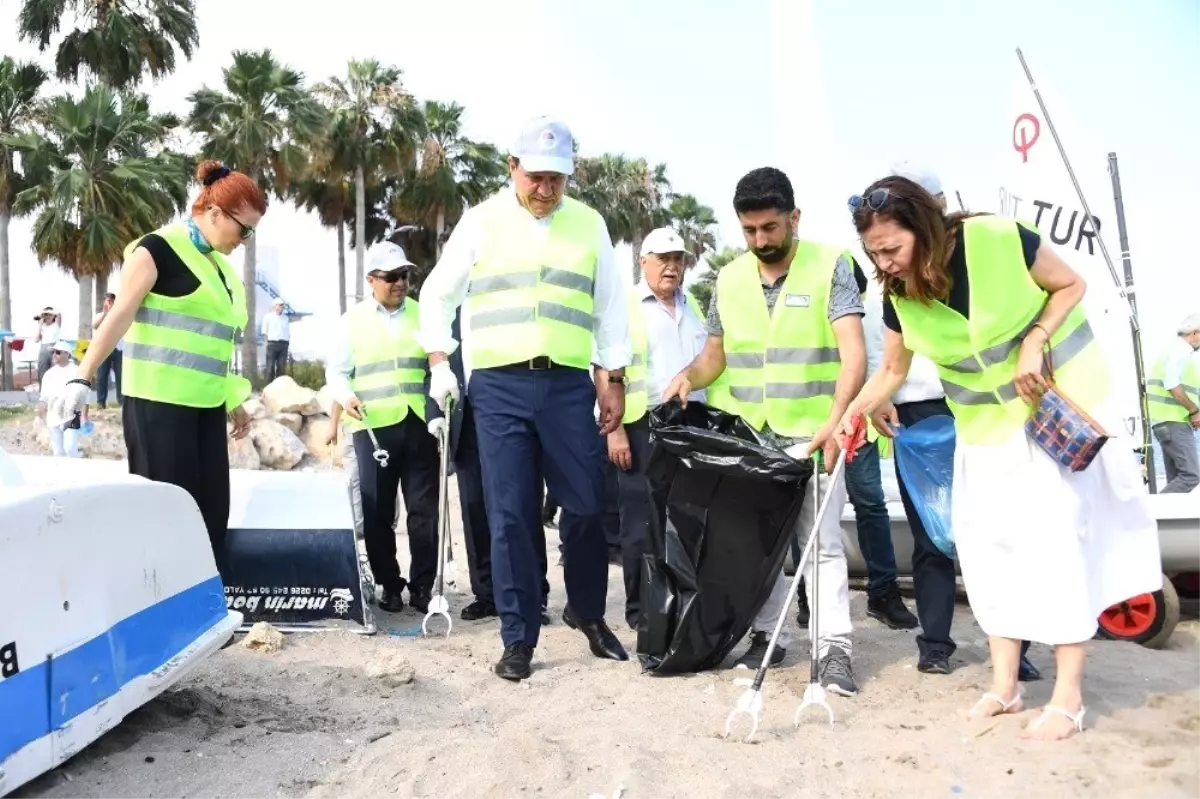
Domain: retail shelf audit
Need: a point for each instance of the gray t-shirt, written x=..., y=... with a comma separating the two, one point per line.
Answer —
x=845, y=298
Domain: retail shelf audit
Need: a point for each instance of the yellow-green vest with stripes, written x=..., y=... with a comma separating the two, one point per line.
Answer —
x=977, y=357
x=527, y=299
x=637, y=400
x=389, y=364
x=782, y=366
x=178, y=349
x=1162, y=404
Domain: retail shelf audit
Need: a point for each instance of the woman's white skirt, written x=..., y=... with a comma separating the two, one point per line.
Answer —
x=1043, y=550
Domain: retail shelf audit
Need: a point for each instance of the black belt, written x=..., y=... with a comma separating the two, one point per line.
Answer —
x=539, y=364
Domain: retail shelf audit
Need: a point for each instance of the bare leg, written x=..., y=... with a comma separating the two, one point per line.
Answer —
x=1004, y=697
x=1067, y=696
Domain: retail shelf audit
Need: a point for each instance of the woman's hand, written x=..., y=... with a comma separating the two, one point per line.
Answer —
x=241, y=422
x=850, y=431
x=1028, y=379
x=886, y=420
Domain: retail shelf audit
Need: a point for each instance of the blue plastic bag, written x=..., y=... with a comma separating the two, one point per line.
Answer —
x=925, y=461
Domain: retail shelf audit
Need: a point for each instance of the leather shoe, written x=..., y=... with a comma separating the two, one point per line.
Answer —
x=600, y=639
x=514, y=663
x=419, y=599
x=390, y=600
x=479, y=609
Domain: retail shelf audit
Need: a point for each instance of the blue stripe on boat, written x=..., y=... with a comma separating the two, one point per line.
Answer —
x=45, y=695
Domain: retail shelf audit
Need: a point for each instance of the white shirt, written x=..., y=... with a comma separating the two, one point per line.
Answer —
x=48, y=333
x=276, y=327
x=923, y=382
x=340, y=364
x=54, y=382
x=672, y=342
x=445, y=288
x=1178, y=357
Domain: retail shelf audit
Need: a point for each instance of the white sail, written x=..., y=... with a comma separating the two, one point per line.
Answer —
x=1036, y=187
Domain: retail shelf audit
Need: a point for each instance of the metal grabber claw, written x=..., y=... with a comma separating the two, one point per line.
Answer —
x=750, y=703
x=438, y=605
x=380, y=454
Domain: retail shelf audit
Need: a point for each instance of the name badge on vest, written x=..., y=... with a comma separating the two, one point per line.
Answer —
x=797, y=300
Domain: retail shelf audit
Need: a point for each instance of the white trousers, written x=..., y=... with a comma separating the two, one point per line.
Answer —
x=831, y=609
x=65, y=443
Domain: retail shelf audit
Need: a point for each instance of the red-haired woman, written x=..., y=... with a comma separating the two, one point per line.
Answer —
x=179, y=308
x=1043, y=550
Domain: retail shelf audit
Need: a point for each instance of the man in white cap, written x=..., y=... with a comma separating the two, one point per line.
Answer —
x=666, y=330
x=63, y=427
x=276, y=329
x=379, y=374
x=537, y=274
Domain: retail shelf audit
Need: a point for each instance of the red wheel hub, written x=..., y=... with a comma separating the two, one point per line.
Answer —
x=1130, y=618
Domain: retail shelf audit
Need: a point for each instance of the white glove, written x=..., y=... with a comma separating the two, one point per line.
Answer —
x=436, y=426
x=74, y=395
x=443, y=384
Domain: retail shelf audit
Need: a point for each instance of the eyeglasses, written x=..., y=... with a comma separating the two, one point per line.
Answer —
x=247, y=231
x=875, y=200
x=394, y=276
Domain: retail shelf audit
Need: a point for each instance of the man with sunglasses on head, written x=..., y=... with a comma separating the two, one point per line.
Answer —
x=378, y=373
x=785, y=324
x=537, y=275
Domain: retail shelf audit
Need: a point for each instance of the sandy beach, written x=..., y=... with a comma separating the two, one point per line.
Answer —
x=337, y=714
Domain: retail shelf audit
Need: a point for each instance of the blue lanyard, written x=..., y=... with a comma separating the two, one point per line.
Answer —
x=198, y=238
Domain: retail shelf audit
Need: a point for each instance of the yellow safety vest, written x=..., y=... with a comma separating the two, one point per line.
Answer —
x=637, y=400
x=527, y=300
x=977, y=357
x=178, y=349
x=389, y=364
x=783, y=366
x=1162, y=404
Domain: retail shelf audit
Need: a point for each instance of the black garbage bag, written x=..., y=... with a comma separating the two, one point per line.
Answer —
x=724, y=503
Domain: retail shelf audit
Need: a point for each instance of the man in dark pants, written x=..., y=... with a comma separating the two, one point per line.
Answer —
x=111, y=366
x=379, y=374
x=277, y=330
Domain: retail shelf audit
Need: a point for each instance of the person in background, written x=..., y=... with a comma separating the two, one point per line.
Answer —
x=667, y=332
x=277, y=330
x=111, y=368
x=63, y=426
x=179, y=308
x=1043, y=550
x=349, y=463
x=377, y=372
x=49, y=327
x=1173, y=394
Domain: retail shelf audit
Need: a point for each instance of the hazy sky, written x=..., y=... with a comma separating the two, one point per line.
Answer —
x=715, y=88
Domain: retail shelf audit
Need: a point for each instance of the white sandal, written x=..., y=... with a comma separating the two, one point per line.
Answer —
x=1004, y=706
x=1048, y=710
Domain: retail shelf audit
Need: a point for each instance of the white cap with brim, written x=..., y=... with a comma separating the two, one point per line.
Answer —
x=661, y=241
x=386, y=256
x=925, y=178
x=1191, y=324
x=62, y=345
x=545, y=145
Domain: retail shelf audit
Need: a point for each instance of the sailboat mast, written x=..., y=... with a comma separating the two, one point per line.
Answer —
x=1127, y=263
x=1124, y=287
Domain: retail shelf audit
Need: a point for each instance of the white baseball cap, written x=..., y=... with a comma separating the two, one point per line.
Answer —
x=386, y=256
x=662, y=241
x=1190, y=324
x=545, y=144
x=62, y=345
x=924, y=177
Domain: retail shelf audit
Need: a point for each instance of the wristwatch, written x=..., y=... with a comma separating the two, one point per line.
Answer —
x=617, y=376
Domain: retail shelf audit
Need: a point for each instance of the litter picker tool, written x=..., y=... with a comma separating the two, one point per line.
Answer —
x=438, y=606
x=380, y=454
x=751, y=702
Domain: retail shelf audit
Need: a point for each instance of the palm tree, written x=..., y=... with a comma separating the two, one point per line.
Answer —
x=694, y=223
x=259, y=125
x=451, y=174
x=115, y=41
x=380, y=124
x=19, y=87
x=702, y=286
x=110, y=180
x=627, y=193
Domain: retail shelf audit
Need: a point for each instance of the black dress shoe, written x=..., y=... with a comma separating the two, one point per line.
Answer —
x=933, y=663
x=479, y=609
x=514, y=663
x=419, y=599
x=389, y=599
x=600, y=639
x=545, y=612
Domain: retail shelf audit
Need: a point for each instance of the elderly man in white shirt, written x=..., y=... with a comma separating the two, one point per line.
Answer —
x=63, y=427
x=277, y=330
x=535, y=274
x=667, y=332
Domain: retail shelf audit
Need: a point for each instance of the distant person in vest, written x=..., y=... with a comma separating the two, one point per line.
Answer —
x=378, y=372
x=49, y=326
x=537, y=274
x=1043, y=550
x=1173, y=392
x=178, y=309
x=277, y=330
x=785, y=324
x=111, y=368
x=666, y=329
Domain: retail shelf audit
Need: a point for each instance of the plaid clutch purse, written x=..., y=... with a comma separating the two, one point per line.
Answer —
x=1062, y=429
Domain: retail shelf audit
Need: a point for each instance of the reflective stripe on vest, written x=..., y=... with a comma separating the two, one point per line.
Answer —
x=637, y=400
x=527, y=300
x=977, y=358
x=178, y=349
x=782, y=366
x=389, y=364
x=1162, y=404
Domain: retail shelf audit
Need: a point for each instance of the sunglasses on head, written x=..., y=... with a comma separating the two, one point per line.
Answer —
x=394, y=276
x=875, y=200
